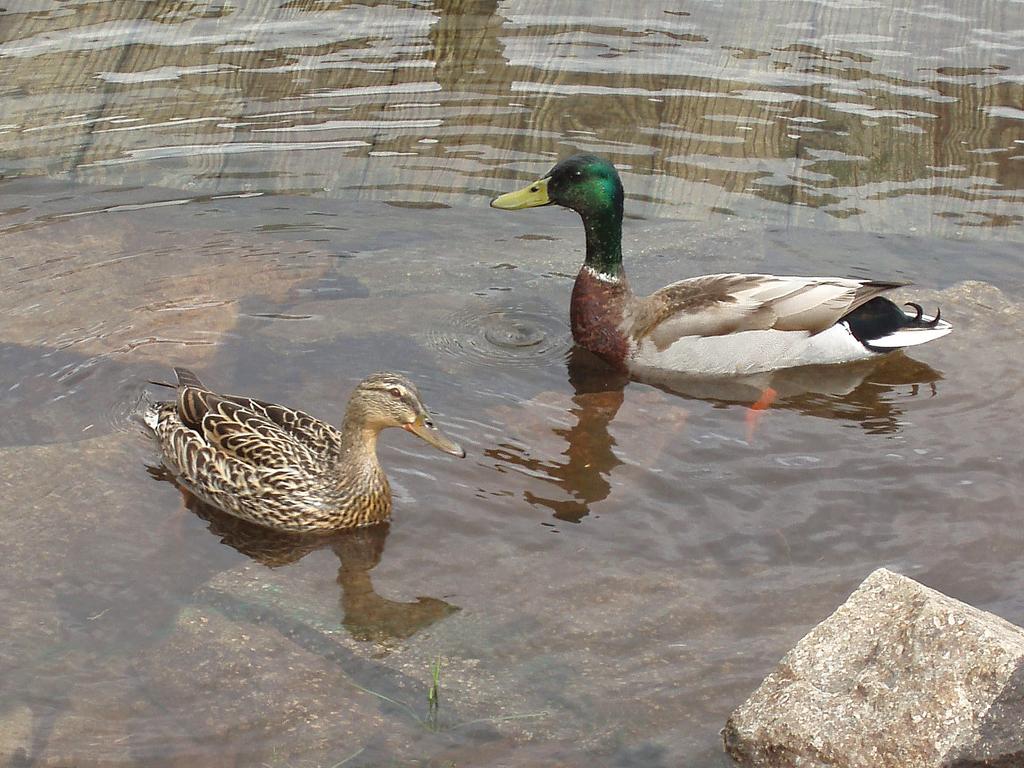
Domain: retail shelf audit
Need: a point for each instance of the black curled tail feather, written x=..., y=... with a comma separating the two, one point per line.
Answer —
x=917, y=321
x=880, y=317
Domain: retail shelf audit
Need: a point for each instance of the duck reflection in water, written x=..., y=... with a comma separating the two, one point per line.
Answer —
x=599, y=392
x=367, y=615
x=870, y=395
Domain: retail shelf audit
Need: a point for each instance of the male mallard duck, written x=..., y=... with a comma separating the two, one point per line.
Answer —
x=715, y=325
x=282, y=468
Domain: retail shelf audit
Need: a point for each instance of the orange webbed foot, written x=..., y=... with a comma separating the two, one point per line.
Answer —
x=756, y=410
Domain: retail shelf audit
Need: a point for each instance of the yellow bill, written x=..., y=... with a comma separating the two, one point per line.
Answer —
x=528, y=197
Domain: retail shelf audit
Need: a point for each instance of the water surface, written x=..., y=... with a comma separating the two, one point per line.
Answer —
x=287, y=196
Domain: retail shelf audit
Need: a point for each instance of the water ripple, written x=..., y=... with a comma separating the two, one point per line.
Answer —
x=503, y=335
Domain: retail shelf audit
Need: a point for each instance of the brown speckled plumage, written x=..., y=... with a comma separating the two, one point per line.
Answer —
x=282, y=468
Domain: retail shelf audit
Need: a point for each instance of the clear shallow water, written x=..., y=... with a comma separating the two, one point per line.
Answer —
x=616, y=565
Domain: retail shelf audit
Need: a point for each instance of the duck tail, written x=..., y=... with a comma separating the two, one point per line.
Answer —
x=881, y=325
x=188, y=379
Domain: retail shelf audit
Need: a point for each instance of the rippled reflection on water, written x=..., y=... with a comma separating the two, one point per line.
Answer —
x=287, y=196
x=893, y=118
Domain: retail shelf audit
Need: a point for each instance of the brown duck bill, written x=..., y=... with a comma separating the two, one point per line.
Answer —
x=531, y=196
x=435, y=437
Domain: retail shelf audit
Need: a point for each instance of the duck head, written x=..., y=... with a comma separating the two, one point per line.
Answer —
x=386, y=399
x=587, y=184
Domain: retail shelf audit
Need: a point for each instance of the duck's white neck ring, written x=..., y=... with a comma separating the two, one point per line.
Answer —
x=602, y=276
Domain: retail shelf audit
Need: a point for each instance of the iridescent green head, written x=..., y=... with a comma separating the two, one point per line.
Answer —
x=587, y=184
x=590, y=186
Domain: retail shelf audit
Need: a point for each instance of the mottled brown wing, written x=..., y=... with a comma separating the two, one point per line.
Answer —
x=320, y=436
x=214, y=474
x=196, y=402
x=192, y=394
x=715, y=305
x=250, y=437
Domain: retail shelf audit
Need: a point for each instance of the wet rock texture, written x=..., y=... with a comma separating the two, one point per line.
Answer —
x=899, y=676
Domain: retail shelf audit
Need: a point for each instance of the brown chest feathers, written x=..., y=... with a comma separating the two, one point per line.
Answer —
x=596, y=314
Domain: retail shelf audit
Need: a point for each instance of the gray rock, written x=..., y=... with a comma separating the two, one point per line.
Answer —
x=900, y=675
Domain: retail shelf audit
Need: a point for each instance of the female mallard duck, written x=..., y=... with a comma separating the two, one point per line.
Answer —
x=716, y=325
x=282, y=468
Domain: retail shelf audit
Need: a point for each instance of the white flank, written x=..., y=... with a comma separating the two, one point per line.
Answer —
x=738, y=354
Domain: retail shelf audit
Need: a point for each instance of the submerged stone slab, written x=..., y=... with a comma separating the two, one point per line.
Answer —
x=900, y=676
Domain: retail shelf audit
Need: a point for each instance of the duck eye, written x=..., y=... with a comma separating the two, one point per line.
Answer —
x=577, y=174
x=395, y=392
